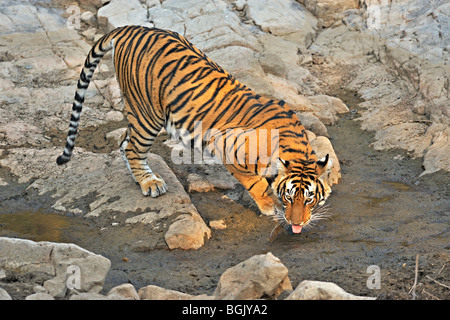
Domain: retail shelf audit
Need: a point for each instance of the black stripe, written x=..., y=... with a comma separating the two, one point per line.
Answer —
x=250, y=188
x=82, y=86
x=78, y=98
x=96, y=55
x=76, y=108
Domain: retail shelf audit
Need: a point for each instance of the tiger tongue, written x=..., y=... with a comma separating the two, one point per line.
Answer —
x=296, y=228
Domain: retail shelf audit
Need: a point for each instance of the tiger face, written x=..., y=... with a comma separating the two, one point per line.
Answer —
x=302, y=190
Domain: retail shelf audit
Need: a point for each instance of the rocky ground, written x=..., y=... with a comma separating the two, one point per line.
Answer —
x=388, y=61
x=68, y=270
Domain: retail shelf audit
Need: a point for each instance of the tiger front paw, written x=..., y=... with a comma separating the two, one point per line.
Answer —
x=153, y=186
x=269, y=206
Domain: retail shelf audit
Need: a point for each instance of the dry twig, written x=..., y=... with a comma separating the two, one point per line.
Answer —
x=416, y=273
x=441, y=284
x=432, y=296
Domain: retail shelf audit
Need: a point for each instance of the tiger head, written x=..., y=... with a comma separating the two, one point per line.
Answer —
x=301, y=189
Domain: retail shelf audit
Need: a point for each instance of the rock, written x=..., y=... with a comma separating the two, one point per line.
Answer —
x=153, y=292
x=39, y=296
x=120, y=13
x=329, y=11
x=322, y=146
x=89, y=34
x=281, y=58
x=89, y=296
x=92, y=5
x=327, y=108
x=145, y=218
x=436, y=157
x=311, y=135
x=311, y=122
x=116, y=134
x=57, y=286
x=319, y=290
x=398, y=54
x=92, y=267
x=88, y=17
x=55, y=261
x=278, y=54
x=198, y=184
x=287, y=91
x=218, y=224
x=166, y=19
x=4, y=295
x=242, y=63
x=114, y=116
x=188, y=231
x=259, y=276
x=39, y=289
x=25, y=256
x=297, y=24
x=111, y=91
x=407, y=136
x=125, y=291
x=214, y=179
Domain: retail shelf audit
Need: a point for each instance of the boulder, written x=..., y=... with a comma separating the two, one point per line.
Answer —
x=118, y=13
x=329, y=11
x=40, y=296
x=4, y=295
x=63, y=265
x=188, y=231
x=124, y=291
x=213, y=180
x=297, y=25
x=408, y=136
x=320, y=290
x=322, y=146
x=436, y=157
x=327, y=108
x=89, y=296
x=218, y=224
x=312, y=123
x=259, y=276
x=153, y=292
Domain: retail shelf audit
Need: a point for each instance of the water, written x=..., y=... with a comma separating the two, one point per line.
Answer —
x=36, y=225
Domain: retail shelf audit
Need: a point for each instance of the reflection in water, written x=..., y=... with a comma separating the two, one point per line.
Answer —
x=35, y=226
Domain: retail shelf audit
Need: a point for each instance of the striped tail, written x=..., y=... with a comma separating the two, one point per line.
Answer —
x=102, y=46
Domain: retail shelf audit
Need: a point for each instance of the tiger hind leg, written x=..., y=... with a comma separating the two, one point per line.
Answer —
x=134, y=149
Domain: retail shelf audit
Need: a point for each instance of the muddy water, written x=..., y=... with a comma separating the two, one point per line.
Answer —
x=383, y=214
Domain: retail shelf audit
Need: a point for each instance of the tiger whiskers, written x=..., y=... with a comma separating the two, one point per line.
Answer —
x=281, y=225
x=319, y=213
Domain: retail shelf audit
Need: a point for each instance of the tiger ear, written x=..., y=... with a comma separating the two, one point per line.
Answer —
x=283, y=166
x=323, y=165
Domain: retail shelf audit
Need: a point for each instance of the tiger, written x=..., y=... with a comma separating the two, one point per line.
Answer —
x=166, y=82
